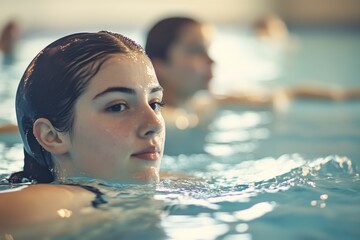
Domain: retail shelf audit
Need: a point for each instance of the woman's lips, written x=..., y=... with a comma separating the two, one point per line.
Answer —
x=151, y=153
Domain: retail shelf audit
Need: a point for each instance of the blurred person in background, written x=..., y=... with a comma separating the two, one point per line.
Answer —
x=179, y=50
x=9, y=37
x=271, y=27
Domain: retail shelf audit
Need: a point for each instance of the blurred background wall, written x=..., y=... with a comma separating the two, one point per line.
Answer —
x=56, y=15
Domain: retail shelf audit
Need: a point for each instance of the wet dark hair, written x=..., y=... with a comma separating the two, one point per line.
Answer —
x=164, y=34
x=50, y=86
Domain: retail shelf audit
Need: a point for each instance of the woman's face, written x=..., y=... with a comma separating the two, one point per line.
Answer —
x=189, y=65
x=118, y=131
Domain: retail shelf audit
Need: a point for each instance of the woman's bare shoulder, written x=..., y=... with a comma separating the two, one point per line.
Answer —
x=45, y=192
x=41, y=202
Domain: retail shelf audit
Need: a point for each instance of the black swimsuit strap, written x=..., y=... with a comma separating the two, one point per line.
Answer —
x=98, y=195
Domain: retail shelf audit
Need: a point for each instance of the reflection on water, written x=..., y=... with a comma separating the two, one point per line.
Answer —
x=234, y=132
x=247, y=200
x=256, y=197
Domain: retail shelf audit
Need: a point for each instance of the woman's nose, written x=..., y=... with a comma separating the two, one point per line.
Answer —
x=151, y=123
x=208, y=59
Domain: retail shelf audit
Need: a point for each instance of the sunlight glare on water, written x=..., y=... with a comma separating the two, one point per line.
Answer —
x=236, y=132
x=201, y=227
x=235, y=120
x=255, y=211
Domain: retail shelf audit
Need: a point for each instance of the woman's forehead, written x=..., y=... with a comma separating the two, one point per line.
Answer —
x=196, y=31
x=194, y=34
x=127, y=58
x=130, y=70
x=127, y=65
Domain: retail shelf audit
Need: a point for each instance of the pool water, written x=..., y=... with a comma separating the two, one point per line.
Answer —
x=256, y=173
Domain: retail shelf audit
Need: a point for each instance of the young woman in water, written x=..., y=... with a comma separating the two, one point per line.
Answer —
x=88, y=105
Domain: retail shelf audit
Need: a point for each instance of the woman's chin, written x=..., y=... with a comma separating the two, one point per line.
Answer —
x=148, y=175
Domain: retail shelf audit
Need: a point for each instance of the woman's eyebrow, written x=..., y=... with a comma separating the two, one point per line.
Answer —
x=117, y=89
x=156, y=89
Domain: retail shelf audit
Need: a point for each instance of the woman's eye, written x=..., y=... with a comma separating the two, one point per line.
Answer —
x=117, y=107
x=156, y=106
x=196, y=50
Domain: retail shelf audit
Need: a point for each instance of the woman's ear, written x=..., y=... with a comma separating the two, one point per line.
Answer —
x=49, y=138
